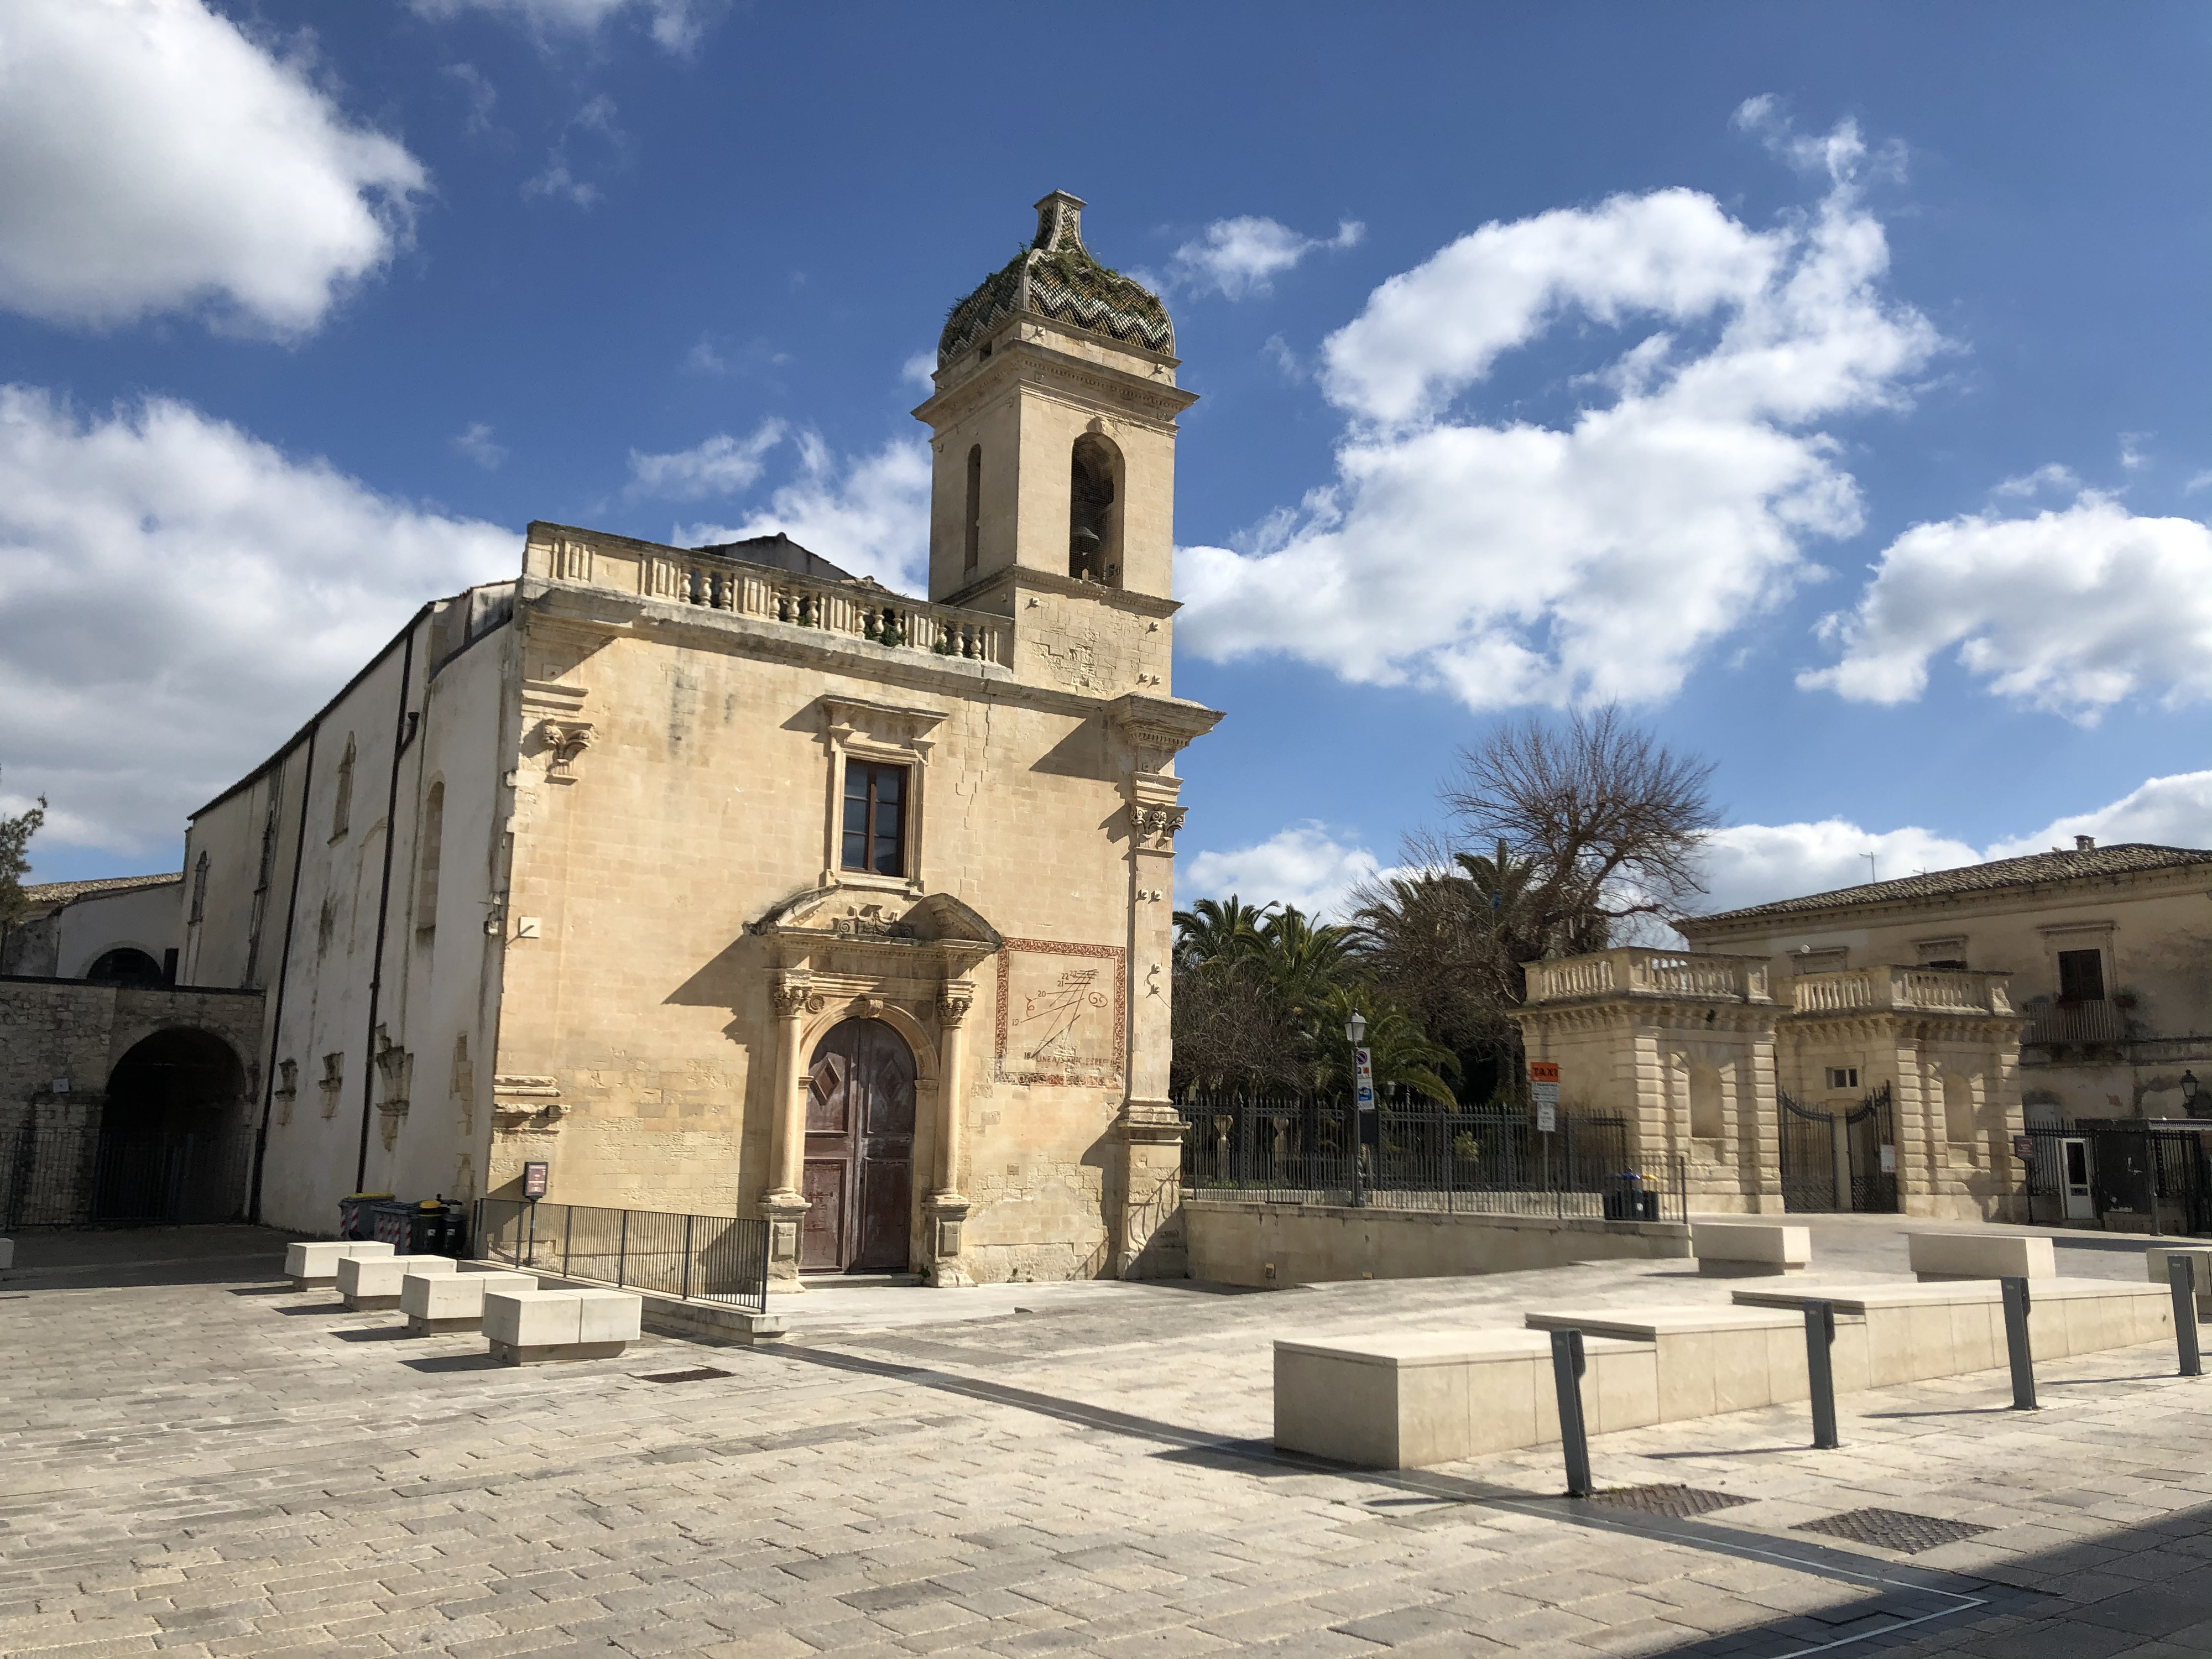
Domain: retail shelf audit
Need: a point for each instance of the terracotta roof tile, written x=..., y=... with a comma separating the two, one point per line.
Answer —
x=58, y=893
x=2127, y=858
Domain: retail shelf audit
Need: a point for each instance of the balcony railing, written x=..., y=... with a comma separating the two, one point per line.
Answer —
x=1899, y=989
x=2097, y=1022
x=1635, y=971
x=850, y=610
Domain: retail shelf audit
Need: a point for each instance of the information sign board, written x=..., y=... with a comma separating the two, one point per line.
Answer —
x=534, y=1177
x=1544, y=1093
x=1362, y=1077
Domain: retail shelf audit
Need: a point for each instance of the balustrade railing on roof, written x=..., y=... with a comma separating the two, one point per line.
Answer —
x=850, y=610
x=1638, y=971
x=1911, y=990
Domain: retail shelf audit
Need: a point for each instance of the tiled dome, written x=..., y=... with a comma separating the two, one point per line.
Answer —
x=1056, y=276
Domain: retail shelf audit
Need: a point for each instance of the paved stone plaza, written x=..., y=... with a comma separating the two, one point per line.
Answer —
x=195, y=1460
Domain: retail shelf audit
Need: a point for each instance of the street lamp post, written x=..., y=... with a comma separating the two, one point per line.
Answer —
x=1363, y=1104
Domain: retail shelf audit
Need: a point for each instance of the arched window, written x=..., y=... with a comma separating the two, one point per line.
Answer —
x=427, y=859
x=1094, y=515
x=342, y=812
x=1707, y=1122
x=973, y=546
x=124, y=965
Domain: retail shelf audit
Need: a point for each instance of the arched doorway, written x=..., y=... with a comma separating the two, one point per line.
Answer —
x=860, y=1150
x=174, y=1144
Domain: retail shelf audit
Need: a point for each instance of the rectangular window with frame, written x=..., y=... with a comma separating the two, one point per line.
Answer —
x=1842, y=1077
x=2081, y=976
x=875, y=818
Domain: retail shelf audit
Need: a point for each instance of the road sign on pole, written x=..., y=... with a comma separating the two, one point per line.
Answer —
x=1544, y=1093
x=1363, y=1077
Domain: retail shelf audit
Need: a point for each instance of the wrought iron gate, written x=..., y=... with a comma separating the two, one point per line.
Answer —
x=1833, y=1160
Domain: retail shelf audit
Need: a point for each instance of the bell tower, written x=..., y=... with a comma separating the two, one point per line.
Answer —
x=1054, y=428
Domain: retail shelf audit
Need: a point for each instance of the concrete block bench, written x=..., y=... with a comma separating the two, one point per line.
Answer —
x=436, y=1303
x=1708, y=1359
x=2200, y=1260
x=527, y=1327
x=1408, y=1401
x=1910, y=1332
x=7, y=1254
x=1939, y=1256
x=373, y=1281
x=1735, y=1250
x=314, y=1266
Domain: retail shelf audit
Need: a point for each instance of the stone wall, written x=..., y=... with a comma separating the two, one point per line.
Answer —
x=1237, y=1242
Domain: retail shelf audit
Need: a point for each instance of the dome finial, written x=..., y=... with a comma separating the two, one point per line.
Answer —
x=1059, y=222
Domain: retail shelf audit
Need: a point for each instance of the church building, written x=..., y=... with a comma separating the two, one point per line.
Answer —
x=726, y=883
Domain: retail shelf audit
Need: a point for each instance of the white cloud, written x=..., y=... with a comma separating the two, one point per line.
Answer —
x=560, y=178
x=1239, y=257
x=1759, y=863
x=868, y=513
x=722, y=466
x=159, y=161
x=921, y=369
x=2071, y=611
x=676, y=24
x=1303, y=865
x=476, y=444
x=180, y=596
x=1518, y=563
x=2169, y=811
x=2049, y=476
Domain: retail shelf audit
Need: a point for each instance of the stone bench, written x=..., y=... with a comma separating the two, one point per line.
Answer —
x=1939, y=1256
x=314, y=1265
x=1911, y=1332
x=373, y=1281
x=436, y=1303
x=1735, y=1250
x=1408, y=1399
x=2200, y=1268
x=527, y=1327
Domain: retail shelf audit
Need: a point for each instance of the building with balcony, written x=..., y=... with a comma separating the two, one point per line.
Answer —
x=724, y=882
x=2108, y=951
x=1857, y=1088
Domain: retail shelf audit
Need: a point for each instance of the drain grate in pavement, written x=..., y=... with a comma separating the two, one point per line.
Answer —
x=1677, y=1502
x=1892, y=1529
x=699, y=1374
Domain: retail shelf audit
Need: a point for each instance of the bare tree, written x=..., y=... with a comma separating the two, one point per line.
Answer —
x=1609, y=821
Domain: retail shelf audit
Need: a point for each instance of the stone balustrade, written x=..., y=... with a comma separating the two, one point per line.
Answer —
x=852, y=609
x=1902, y=990
x=1636, y=971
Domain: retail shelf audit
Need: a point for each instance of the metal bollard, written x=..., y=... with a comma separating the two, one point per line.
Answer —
x=2181, y=1275
x=1821, y=1372
x=2016, y=1345
x=1567, y=1366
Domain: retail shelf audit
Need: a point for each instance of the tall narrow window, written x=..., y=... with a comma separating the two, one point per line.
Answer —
x=875, y=818
x=342, y=810
x=426, y=861
x=199, y=892
x=2081, y=975
x=974, y=545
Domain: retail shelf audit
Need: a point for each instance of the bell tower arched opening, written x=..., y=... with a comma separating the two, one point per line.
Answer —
x=1094, y=511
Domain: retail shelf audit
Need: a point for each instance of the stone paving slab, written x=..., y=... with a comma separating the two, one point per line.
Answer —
x=193, y=1463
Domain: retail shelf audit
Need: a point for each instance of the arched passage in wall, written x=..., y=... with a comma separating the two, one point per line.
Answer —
x=174, y=1138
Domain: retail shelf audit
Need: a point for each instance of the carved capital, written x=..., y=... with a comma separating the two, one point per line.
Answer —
x=793, y=997
x=1156, y=826
x=565, y=740
x=952, y=1005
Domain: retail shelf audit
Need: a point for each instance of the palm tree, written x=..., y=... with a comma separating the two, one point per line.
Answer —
x=1397, y=1050
x=1217, y=931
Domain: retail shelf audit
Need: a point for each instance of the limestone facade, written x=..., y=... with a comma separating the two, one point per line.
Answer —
x=731, y=884
x=2108, y=951
x=1697, y=1052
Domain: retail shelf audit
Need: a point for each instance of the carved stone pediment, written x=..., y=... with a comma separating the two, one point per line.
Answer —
x=884, y=725
x=863, y=915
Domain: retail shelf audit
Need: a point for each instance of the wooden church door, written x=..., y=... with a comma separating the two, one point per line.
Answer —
x=860, y=1150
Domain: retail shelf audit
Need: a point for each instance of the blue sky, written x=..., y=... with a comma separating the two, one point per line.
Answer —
x=1545, y=353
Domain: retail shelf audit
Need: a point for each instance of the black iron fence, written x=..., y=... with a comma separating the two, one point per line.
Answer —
x=1411, y=1156
x=2152, y=1174
x=76, y=1178
x=705, y=1258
